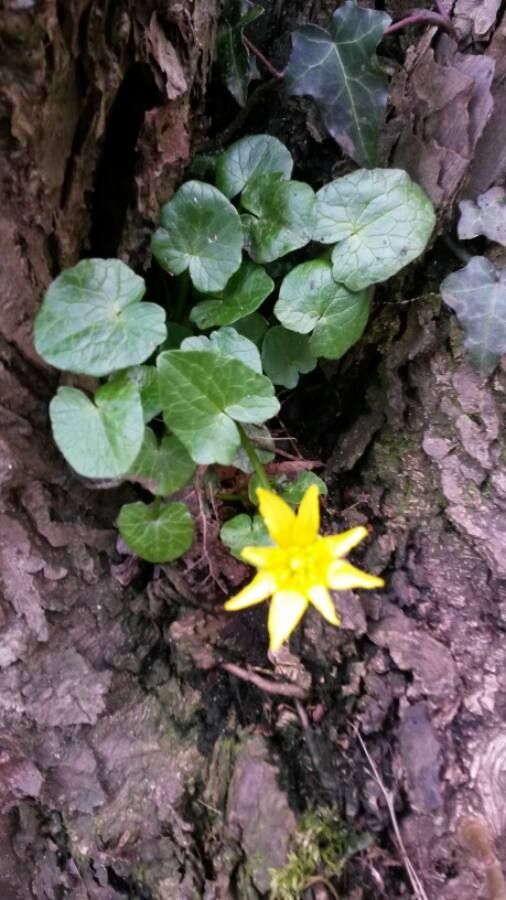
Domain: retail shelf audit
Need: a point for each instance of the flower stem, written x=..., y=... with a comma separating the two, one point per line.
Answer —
x=252, y=455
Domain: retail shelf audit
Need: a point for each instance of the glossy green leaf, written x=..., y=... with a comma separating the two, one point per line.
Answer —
x=200, y=231
x=340, y=71
x=382, y=221
x=282, y=216
x=252, y=327
x=285, y=354
x=237, y=66
x=100, y=438
x=145, y=379
x=203, y=395
x=294, y=491
x=227, y=342
x=244, y=531
x=164, y=467
x=157, y=534
x=244, y=293
x=311, y=301
x=477, y=293
x=257, y=154
x=92, y=323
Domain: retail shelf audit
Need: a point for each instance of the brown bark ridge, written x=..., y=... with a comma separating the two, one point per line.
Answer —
x=95, y=130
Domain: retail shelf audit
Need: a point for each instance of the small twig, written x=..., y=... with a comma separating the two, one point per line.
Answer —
x=281, y=688
x=203, y=525
x=423, y=17
x=263, y=59
x=456, y=249
x=416, y=883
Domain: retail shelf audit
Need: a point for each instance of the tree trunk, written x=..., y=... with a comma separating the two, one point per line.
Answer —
x=96, y=128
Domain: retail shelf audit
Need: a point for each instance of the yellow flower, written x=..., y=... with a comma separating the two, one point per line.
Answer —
x=301, y=566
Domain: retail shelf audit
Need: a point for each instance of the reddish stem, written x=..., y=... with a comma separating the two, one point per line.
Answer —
x=423, y=17
x=263, y=59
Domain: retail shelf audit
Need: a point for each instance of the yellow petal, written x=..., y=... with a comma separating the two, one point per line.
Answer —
x=342, y=576
x=285, y=613
x=307, y=523
x=262, y=586
x=321, y=598
x=341, y=544
x=261, y=557
x=277, y=515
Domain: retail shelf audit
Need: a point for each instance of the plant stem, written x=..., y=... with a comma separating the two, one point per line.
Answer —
x=156, y=506
x=252, y=455
x=263, y=59
x=422, y=17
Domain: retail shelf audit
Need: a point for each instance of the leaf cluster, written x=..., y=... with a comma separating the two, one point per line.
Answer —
x=196, y=389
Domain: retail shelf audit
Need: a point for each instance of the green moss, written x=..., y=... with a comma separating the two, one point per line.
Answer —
x=320, y=848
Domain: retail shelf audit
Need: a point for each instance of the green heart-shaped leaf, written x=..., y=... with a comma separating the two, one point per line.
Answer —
x=285, y=354
x=310, y=300
x=244, y=531
x=98, y=439
x=257, y=154
x=381, y=218
x=283, y=216
x=200, y=231
x=340, y=71
x=164, y=467
x=158, y=534
x=252, y=327
x=477, y=293
x=92, y=323
x=294, y=491
x=204, y=394
x=244, y=293
x=145, y=379
x=228, y=342
x=236, y=64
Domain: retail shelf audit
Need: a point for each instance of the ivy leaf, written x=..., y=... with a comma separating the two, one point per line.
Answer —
x=164, y=467
x=204, y=394
x=92, y=323
x=244, y=293
x=145, y=379
x=283, y=216
x=257, y=154
x=294, y=491
x=311, y=301
x=487, y=216
x=237, y=66
x=381, y=218
x=285, y=354
x=244, y=531
x=157, y=534
x=200, y=231
x=477, y=293
x=340, y=72
x=100, y=438
x=228, y=342
x=252, y=327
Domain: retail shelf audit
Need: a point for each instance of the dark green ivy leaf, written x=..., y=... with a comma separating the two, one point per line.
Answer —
x=235, y=62
x=340, y=71
x=477, y=293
